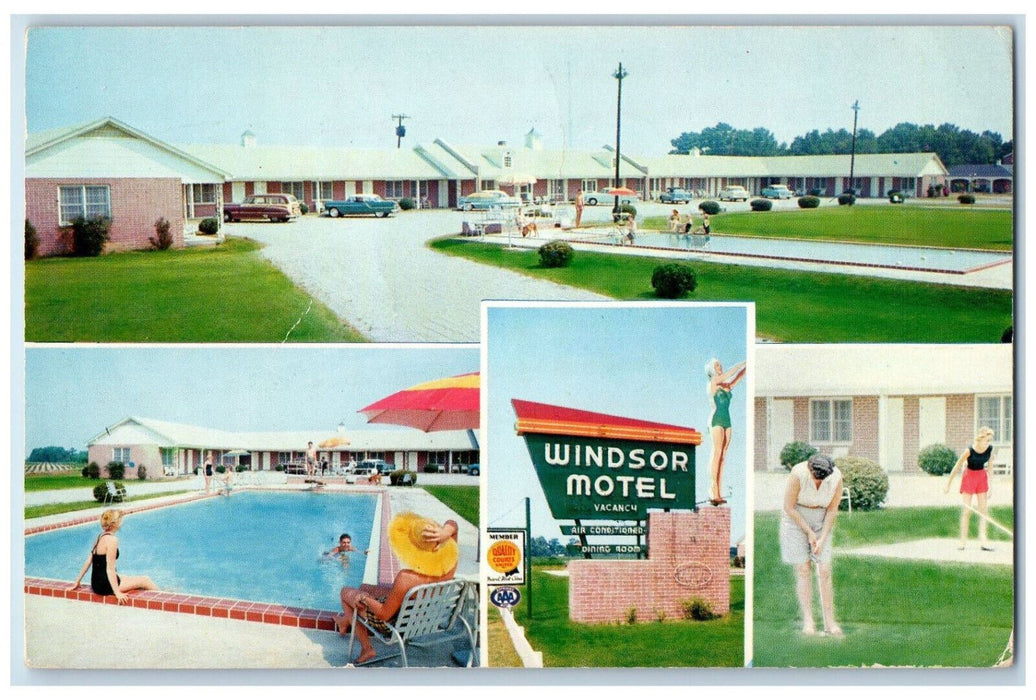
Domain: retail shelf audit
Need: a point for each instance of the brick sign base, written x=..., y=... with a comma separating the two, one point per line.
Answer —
x=688, y=557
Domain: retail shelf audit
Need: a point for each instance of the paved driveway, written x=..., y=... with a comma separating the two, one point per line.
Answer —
x=378, y=275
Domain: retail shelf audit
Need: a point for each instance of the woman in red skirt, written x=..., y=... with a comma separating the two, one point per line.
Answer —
x=974, y=483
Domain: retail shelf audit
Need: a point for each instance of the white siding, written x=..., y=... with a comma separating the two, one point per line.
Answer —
x=105, y=157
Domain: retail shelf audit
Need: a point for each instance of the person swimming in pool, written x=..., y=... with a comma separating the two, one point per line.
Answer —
x=720, y=429
x=345, y=545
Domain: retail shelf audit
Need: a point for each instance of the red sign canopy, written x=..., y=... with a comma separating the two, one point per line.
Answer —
x=546, y=419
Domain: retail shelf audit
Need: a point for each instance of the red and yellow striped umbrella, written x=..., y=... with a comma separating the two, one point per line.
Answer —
x=442, y=404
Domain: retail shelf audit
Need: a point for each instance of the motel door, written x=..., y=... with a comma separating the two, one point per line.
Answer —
x=891, y=434
x=780, y=424
x=932, y=421
x=237, y=192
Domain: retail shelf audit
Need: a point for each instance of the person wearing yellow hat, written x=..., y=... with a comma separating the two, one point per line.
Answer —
x=428, y=552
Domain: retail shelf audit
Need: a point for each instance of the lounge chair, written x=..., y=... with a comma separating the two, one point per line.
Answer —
x=428, y=612
x=113, y=494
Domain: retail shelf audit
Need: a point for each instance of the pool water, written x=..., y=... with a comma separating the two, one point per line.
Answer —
x=903, y=257
x=258, y=546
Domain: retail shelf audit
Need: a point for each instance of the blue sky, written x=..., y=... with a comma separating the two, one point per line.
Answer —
x=74, y=392
x=340, y=86
x=635, y=361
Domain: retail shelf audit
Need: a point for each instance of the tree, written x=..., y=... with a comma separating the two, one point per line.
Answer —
x=53, y=453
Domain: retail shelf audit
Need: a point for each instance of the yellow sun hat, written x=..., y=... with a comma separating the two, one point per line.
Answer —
x=406, y=536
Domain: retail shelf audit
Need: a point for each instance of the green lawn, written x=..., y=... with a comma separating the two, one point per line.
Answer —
x=654, y=644
x=791, y=305
x=894, y=612
x=462, y=499
x=59, y=480
x=941, y=228
x=227, y=293
x=57, y=508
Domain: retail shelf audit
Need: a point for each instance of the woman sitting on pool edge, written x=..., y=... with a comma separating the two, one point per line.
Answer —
x=103, y=579
x=429, y=553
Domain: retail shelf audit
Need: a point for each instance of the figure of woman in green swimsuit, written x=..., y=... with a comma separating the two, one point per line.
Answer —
x=720, y=385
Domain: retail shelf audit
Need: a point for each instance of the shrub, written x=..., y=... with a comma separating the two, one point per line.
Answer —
x=406, y=204
x=795, y=452
x=162, y=240
x=810, y=202
x=32, y=240
x=761, y=205
x=660, y=615
x=816, y=192
x=627, y=210
x=631, y=616
x=90, y=235
x=867, y=482
x=555, y=254
x=92, y=471
x=116, y=470
x=141, y=472
x=847, y=199
x=241, y=468
x=737, y=562
x=966, y=199
x=303, y=208
x=220, y=469
x=709, y=207
x=209, y=226
x=396, y=477
x=895, y=197
x=279, y=468
x=673, y=280
x=101, y=492
x=697, y=609
x=936, y=459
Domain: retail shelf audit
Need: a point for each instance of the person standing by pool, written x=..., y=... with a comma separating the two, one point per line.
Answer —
x=311, y=459
x=103, y=578
x=207, y=471
x=674, y=221
x=429, y=553
x=811, y=498
x=720, y=429
x=579, y=208
x=974, y=484
x=706, y=226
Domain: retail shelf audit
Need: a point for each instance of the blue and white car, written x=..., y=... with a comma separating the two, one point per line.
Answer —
x=777, y=191
x=487, y=199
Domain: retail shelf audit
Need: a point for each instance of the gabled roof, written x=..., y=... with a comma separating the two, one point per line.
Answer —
x=865, y=165
x=979, y=170
x=872, y=370
x=37, y=144
x=167, y=434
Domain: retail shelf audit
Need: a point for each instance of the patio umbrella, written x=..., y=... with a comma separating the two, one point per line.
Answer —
x=237, y=453
x=621, y=192
x=333, y=442
x=513, y=178
x=442, y=404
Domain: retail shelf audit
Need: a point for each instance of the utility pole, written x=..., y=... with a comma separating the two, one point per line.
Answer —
x=618, y=75
x=400, y=129
x=852, y=158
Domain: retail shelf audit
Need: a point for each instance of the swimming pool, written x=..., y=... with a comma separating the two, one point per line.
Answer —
x=259, y=546
x=951, y=260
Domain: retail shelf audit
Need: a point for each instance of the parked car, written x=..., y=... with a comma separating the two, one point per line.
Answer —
x=369, y=466
x=474, y=469
x=271, y=207
x=604, y=197
x=487, y=199
x=777, y=192
x=359, y=204
x=734, y=192
x=675, y=195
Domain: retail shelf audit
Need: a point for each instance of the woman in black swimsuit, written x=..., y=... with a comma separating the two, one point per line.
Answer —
x=208, y=471
x=103, y=579
x=974, y=483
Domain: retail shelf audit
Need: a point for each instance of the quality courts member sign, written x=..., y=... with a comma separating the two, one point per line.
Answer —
x=505, y=556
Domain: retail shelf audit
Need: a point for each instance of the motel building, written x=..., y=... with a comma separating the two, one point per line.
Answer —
x=109, y=168
x=883, y=402
x=175, y=449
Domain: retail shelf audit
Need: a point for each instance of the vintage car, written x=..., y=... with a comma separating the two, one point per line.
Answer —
x=675, y=195
x=734, y=192
x=487, y=199
x=777, y=192
x=357, y=204
x=270, y=207
x=606, y=196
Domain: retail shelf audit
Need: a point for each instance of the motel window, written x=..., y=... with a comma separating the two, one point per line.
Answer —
x=556, y=190
x=831, y=420
x=121, y=454
x=293, y=188
x=87, y=201
x=908, y=184
x=394, y=189
x=588, y=185
x=167, y=456
x=324, y=190
x=438, y=457
x=996, y=412
x=375, y=455
x=489, y=184
x=204, y=194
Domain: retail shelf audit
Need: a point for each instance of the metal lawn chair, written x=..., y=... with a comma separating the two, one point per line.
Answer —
x=113, y=494
x=429, y=611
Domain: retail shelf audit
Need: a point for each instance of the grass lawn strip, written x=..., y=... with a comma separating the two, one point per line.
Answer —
x=223, y=294
x=501, y=648
x=672, y=643
x=791, y=305
x=914, y=226
x=894, y=613
x=58, y=508
x=463, y=500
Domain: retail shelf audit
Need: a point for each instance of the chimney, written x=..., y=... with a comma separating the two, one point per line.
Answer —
x=248, y=140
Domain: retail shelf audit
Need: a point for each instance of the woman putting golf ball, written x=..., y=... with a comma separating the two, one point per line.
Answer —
x=811, y=498
x=974, y=484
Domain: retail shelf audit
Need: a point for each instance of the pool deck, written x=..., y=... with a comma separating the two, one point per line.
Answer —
x=168, y=630
x=1000, y=276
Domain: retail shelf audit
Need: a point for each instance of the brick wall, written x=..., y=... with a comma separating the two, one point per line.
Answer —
x=136, y=203
x=865, y=427
x=960, y=421
x=761, y=446
x=688, y=557
x=911, y=432
x=800, y=414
